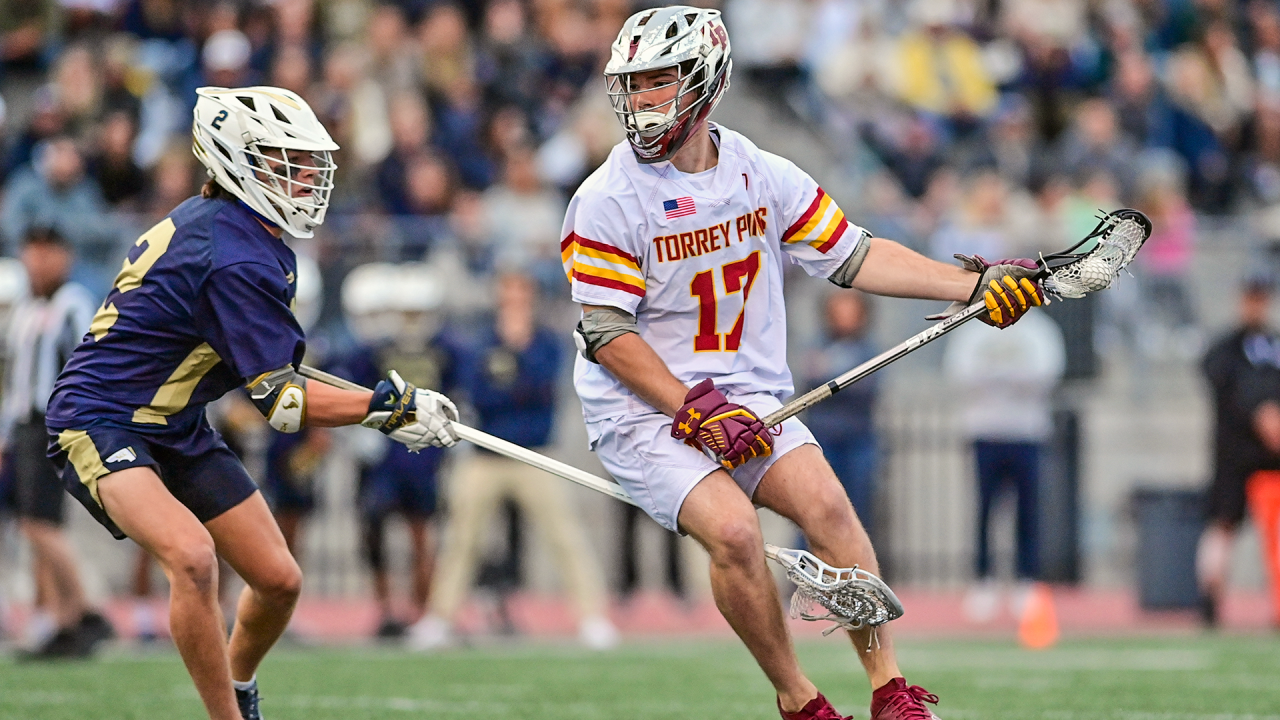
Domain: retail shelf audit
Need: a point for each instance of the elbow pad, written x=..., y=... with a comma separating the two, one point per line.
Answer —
x=281, y=397
x=601, y=326
x=844, y=275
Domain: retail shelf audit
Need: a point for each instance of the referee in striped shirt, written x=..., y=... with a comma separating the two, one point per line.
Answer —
x=44, y=327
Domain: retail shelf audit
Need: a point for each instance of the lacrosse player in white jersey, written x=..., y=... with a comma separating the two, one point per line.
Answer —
x=675, y=248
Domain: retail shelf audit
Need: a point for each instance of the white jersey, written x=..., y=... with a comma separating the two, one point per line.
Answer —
x=698, y=260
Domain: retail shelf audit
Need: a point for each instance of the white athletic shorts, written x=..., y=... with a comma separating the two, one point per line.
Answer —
x=659, y=471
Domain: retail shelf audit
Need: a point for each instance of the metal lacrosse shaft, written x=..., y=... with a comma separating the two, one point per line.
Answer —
x=910, y=345
x=498, y=445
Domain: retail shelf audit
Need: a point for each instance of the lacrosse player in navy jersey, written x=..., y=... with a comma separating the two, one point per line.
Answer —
x=202, y=307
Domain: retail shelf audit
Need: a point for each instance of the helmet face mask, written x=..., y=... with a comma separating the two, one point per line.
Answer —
x=667, y=71
x=265, y=146
x=301, y=178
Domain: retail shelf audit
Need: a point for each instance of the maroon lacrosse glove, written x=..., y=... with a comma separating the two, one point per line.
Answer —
x=1008, y=288
x=707, y=420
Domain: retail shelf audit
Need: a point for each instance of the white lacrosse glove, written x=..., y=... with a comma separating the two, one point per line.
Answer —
x=415, y=417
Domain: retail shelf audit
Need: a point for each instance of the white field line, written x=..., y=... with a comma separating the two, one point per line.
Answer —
x=1064, y=660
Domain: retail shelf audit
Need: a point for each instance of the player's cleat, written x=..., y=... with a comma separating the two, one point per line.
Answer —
x=895, y=700
x=390, y=629
x=94, y=629
x=248, y=700
x=430, y=633
x=818, y=708
x=597, y=633
x=66, y=644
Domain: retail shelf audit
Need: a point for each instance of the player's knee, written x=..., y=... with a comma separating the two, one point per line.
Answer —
x=194, y=565
x=737, y=541
x=284, y=584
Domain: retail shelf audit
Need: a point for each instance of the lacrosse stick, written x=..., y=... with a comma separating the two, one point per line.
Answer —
x=1072, y=273
x=497, y=445
x=853, y=598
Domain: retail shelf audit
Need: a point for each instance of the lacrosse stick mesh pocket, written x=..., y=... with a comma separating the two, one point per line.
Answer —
x=1096, y=269
x=852, y=598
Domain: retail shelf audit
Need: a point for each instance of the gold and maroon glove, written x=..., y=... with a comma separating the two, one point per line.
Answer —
x=1008, y=288
x=707, y=420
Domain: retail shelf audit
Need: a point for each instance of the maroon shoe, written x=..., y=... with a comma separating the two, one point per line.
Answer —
x=898, y=701
x=816, y=709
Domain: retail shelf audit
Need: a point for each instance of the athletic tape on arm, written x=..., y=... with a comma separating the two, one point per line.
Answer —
x=601, y=326
x=281, y=397
x=844, y=275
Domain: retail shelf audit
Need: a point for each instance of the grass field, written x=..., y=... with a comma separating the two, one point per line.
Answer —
x=1190, y=678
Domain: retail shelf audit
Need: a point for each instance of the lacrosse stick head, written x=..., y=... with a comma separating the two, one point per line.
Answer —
x=852, y=598
x=1114, y=242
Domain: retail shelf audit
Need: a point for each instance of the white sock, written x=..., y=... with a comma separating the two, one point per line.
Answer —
x=144, y=621
x=246, y=685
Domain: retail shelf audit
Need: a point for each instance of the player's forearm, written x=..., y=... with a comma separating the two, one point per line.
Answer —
x=634, y=363
x=897, y=271
x=329, y=406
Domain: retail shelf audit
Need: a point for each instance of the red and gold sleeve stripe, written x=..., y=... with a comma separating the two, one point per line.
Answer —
x=821, y=225
x=601, y=264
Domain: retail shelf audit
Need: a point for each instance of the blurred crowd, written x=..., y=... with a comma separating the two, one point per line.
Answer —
x=1000, y=126
x=997, y=127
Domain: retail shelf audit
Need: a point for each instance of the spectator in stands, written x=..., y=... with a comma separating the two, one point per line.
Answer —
x=25, y=31
x=43, y=330
x=1165, y=263
x=845, y=424
x=1141, y=105
x=77, y=82
x=410, y=124
x=356, y=106
x=533, y=243
x=291, y=70
x=940, y=68
x=1238, y=368
x=910, y=150
x=112, y=165
x=460, y=129
x=447, y=53
x=1095, y=144
x=53, y=192
x=510, y=61
x=511, y=376
x=47, y=120
x=1004, y=381
x=393, y=62
x=429, y=190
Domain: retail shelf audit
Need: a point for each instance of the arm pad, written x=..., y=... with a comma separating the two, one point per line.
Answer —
x=601, y=326
x=281, y=397
x=844, y=275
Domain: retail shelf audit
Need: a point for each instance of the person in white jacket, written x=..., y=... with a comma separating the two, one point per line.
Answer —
x=1006, y=382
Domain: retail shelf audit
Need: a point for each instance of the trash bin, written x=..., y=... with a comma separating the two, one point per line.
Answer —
x=1169, y=524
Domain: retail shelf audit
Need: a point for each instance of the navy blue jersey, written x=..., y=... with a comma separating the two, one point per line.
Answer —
x=514, y=392
x=201, y=305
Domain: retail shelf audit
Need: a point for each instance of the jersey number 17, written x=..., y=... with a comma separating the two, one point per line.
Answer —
x=739, y=275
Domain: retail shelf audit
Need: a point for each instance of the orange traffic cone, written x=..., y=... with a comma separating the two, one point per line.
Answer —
x=1038, y=626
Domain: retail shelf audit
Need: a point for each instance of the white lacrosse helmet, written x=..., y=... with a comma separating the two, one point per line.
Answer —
x=692, y=40
x=242, y=136
x=368, y=294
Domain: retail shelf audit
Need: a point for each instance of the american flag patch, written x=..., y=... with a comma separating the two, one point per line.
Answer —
x=679, y=207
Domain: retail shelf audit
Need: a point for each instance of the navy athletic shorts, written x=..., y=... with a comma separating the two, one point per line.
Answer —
x=403, y=482
x=197, y=467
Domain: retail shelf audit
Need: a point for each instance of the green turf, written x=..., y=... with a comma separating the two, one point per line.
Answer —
x=1191, y=678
